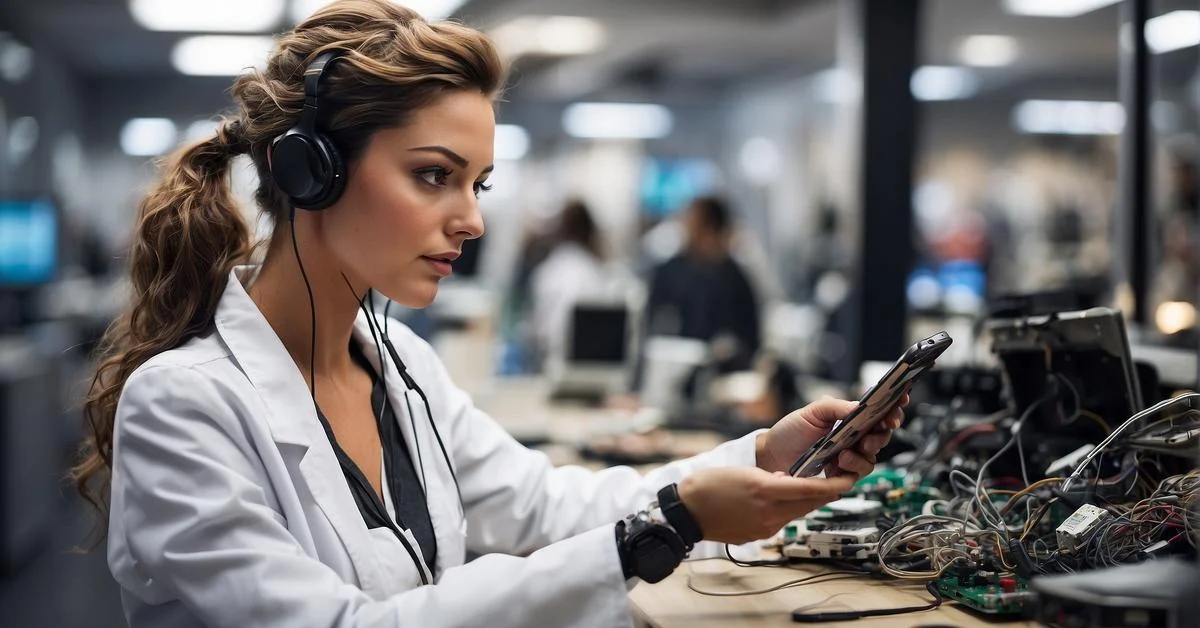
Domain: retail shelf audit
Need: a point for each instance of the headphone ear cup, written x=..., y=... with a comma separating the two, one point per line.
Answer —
x=291, y=167
x=333, y=182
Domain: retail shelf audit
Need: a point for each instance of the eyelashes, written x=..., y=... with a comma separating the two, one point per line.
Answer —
x=439, y=177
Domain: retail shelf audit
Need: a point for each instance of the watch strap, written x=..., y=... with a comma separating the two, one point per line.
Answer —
x=677, y=514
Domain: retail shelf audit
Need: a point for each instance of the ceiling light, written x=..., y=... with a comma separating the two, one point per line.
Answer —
x=549, y=35
x=1055, y=8
x=220, y=16
x=512, y=142
x=934, y=82
x=147, y=137
x=16, y=59
x=760, y=160
x=1172, y=317
x=220, y=55
x=1173, y=31
x=988, y=51
x=1069, y=117
x=200, y=130
x=300, y=10
x=835, y=85
x=617, y=120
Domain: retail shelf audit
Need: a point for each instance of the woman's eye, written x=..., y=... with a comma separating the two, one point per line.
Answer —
x=480, y=188
x=434, y=176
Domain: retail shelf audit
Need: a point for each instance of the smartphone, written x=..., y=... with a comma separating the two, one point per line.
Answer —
x=874, y=406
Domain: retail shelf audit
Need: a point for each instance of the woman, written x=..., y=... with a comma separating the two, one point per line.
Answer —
x=573, y=269
x=264, y=458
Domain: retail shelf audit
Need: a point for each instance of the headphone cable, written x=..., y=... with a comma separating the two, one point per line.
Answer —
x=312, y=312
x=802, y=617
x=412, y=385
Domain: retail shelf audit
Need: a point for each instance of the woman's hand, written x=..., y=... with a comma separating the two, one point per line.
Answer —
x=780, y=447
x=741, y=504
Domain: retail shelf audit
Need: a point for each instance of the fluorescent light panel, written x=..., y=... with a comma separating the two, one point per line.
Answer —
x=988, y=51
x=549, y=35
x=213, y=16
x=200, y=130
x=147, y=137
x=1173, y=31
x=512, y=142
x=220, y=55
x=935, y=82
x=617, y=120
x=835, y=85
x=1069, y=117
x=300, y=10
x=1055, y=8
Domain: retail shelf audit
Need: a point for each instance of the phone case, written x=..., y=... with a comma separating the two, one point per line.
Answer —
x=874, y=405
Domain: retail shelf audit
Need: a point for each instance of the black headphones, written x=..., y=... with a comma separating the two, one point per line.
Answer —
x=304, y=163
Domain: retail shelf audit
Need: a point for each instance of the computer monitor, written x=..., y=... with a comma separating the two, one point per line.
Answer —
x=29, y=235
x=1088, y=349
x=597, y=357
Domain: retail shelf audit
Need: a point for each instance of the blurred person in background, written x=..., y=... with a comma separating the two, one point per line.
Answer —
x=702, y=293
x=574, y=268
x=257, y=456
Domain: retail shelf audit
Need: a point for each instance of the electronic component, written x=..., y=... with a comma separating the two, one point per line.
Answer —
x=985, y=592
x=844, y=511
x=794, y=532
x=836, y=544
x=1079, y=526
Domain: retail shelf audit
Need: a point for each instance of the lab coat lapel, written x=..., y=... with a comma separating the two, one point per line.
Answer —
x=440, y=493
x=293, y=421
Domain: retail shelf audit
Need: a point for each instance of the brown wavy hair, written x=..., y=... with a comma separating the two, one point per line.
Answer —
x=190, y=232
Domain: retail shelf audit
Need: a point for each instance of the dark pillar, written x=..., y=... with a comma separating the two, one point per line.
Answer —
x=879, y=47
x=1136, y=218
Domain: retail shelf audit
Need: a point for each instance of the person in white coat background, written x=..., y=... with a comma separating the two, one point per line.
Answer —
x=573, y=270
x=265, y=454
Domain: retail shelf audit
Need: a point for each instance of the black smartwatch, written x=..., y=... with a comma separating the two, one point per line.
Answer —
x=678, y=515
x=648, y=549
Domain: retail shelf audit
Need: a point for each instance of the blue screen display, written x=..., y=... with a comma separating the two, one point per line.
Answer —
x=28, y=242
x=669, y=184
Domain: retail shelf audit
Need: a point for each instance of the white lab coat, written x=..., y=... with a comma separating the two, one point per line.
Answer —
x=229, y=507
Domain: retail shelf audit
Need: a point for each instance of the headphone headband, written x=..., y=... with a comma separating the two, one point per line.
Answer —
x=315, y=73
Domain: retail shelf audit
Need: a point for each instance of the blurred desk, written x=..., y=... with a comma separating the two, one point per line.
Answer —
x=670, y=604
x=523, y=408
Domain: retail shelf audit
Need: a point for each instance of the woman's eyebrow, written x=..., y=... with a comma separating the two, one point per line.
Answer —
x=445, y=152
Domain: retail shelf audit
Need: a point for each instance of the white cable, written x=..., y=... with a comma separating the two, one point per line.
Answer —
x=1189, y=398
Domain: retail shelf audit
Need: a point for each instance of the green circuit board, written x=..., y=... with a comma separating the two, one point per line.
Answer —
x=988, y=598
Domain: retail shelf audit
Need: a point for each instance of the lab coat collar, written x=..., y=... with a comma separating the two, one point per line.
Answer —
x=292, y=418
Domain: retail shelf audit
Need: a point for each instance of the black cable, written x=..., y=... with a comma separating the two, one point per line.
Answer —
x=412, y=420
x=776, y=562
x=374, y=336
x=377, y=331
x=441, y=444
x=312, y=312
x=312, y=388
x=412, y=385
x=813, y=618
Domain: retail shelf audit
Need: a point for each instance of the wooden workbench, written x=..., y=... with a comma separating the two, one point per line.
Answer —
x=670, y=604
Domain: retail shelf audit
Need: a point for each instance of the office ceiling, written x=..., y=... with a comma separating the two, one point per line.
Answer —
x=655, y=49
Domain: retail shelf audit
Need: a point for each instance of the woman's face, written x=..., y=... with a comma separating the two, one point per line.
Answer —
x=411, y=200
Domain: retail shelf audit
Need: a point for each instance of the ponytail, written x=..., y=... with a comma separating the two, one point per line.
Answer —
x=189, y=236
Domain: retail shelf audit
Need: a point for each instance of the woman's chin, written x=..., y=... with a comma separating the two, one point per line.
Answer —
x=418, y=299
